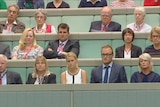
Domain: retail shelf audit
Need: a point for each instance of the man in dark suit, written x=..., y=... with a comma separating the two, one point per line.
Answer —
x=59, y=48
x=108, y=72
x=8, y=77
x=12, y=25
x=5, y=50
x=106, y=24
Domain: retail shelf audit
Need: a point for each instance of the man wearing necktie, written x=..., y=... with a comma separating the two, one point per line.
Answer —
x=106, y=23
x=55, y=48
x=6, y=76
x=108, y=72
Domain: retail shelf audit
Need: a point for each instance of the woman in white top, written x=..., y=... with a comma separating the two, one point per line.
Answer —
x=73, y=74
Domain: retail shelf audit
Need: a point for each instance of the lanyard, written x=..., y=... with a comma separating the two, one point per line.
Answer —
x=26, y=53
x=138, y=29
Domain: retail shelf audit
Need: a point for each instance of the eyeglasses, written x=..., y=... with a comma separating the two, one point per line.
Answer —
x=103, y=54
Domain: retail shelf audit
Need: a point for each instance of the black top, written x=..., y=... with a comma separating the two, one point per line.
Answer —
x=63, y=5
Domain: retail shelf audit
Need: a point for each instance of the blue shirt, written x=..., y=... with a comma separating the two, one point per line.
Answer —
x=104, y=70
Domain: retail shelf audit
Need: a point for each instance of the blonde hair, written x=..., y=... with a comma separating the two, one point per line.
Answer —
x=43, y=59
x=22, y=41
x=155, y=29
x=142, y=9
x=72, y=54
x=146, y=56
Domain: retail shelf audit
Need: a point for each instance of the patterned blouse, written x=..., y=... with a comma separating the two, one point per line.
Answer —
x=21, y=54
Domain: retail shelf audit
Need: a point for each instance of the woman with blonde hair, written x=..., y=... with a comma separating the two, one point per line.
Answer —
x=154, y=49
x=28, y=47
x=146, y=73
x=73, y=74
x=41, y=73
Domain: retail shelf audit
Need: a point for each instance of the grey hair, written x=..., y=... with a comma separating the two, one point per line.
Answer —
x=142, y=9
x=146, y=56
x=3, y=57
x=43, y=11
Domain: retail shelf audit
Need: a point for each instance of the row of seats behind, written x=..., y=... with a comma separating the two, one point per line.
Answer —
x=75, y=3
x=90, y=48
x=130, y=69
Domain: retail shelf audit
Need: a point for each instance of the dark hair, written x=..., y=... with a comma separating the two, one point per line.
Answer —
x=63, y=26
x=107, y=46
x=127, y=30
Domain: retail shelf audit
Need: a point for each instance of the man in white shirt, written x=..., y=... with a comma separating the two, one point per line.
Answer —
x=139, y=25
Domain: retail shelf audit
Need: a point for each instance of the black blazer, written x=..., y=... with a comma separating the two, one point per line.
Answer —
x=136, y=51
x=118, y=74
x=50, y=79
x=71, y=46
x=13, y=77
x=96, y=26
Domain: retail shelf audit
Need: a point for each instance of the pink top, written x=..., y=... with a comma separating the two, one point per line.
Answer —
x=127, y=4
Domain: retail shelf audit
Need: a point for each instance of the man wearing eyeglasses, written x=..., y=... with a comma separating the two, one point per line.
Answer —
x=108, y=72
x=12, y=25
x=105, y=24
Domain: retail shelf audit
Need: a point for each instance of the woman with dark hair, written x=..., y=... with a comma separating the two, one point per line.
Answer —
x=128, y=50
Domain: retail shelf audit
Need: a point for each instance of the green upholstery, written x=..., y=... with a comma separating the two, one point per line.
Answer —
x=141, y=43
x=92, y=48
x=73, y=3
x=152, y=19
x=78, y=23
x=121, y=19
x=116, y=43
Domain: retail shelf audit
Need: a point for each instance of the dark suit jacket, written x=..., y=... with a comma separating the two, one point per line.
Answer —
x=51, y=79
x=96, y=26
x=13, y=77
x=117, y=75
x=4, y=49
x=16, y=28
x=135, y=51
x=71, y=46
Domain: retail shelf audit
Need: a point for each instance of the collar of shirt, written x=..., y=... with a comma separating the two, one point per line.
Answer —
x=141, y=25
x=3, y=73
x=92, y=1
x=104, y=70
x=43, y=29
x=15, y=23
x=63, y=42
x=107, y=65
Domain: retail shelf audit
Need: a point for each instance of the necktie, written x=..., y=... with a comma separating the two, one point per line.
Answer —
x=104, y=28
x=60, y=47
x=106, y=75
x=0, y=79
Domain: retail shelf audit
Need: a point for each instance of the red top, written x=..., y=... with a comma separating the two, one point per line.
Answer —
x=151, y=3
